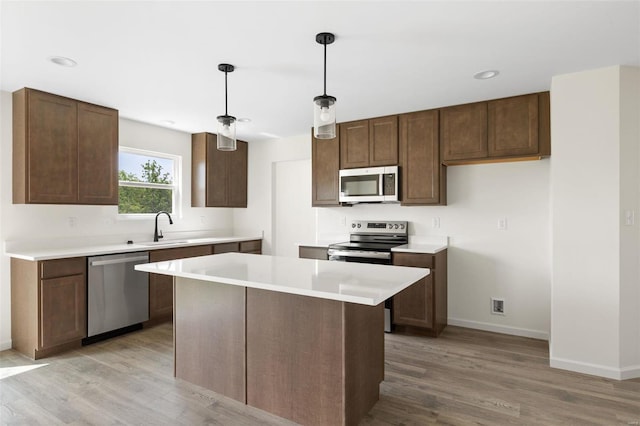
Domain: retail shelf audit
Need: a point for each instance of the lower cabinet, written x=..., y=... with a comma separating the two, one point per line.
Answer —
x=422, y=307
x=48, y=305
x=161, y=286
x=309, y=252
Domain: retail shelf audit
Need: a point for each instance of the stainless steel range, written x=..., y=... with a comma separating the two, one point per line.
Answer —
x=371, y=242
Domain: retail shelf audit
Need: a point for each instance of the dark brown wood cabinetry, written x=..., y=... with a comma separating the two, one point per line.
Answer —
x=423, y=176
x=48, y=305
x=508, y=129
x=423, y=143
x=422, y=307
x=325, y=167
x=64, y=151
x=309, y=252
x=463, y=131
x=369, y=143
x=161, y=286
x=218, y=178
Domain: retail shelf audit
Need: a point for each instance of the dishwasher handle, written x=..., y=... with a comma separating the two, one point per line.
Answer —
x=117, y=261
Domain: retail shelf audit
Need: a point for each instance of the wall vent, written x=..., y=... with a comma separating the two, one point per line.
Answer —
x=497, y=306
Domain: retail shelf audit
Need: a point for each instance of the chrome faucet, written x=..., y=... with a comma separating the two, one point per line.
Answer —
x=156, y=237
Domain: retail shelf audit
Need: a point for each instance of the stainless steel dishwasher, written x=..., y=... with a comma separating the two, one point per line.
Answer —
x=118, y=295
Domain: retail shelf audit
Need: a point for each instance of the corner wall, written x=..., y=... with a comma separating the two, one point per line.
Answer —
x=594, y=173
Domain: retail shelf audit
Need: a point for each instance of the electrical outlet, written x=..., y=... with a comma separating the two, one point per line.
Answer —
x=73, y=221
x=497, y=306
x=502, y=224
x=629, y=217
x=435, y=222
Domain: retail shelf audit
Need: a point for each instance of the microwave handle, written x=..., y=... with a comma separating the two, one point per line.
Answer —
x=381, y=184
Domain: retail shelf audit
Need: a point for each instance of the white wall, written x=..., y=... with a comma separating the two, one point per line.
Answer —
x=32, y=223
x=484, y=262
x=594, y=173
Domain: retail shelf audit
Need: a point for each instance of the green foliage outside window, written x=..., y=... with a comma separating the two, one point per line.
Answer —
x=140, y=199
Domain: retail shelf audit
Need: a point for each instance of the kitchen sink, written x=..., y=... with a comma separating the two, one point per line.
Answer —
x=162, y=243
x=205, y=240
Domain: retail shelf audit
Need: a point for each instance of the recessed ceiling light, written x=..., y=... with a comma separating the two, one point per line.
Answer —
x=62, y=61
x=485, y=75
x=167, y=122
x=244, y=120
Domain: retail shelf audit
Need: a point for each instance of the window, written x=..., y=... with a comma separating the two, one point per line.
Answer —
x=148, y=182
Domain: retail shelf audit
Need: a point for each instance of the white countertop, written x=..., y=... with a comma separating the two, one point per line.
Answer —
x=361, y=283
x=420, y=248
x=47, y=253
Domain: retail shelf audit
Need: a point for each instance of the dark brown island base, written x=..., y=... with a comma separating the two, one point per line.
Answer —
x=299, y=338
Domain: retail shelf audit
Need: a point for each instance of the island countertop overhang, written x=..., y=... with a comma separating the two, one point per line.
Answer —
x=366, y=284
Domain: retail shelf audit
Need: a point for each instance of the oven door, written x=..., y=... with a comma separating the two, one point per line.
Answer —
x=359, y=256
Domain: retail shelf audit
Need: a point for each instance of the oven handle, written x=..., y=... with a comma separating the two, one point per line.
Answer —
x=364, y=254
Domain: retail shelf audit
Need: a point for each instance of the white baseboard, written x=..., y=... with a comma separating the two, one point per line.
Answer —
x=596, y=370
x=5, y=345
x=515, y=331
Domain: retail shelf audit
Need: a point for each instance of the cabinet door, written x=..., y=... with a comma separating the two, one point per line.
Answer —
x=226, y=248
x=354, y=144
x=414, y=305
x=383, y=141
x=305, y=252
x=217, y=174
x=237, y=179
x=161, y=286
x=63, y=310
x=463, y=131
x=254, y=246
x=325, y=168
x=97, y=155
x=423, y=176
x=160, y=297
x=513, y=126
x=52, y=138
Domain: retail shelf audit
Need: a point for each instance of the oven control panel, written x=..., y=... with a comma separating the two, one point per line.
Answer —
x=379, y=227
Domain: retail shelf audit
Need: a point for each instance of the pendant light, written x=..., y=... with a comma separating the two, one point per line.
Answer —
x=226, y=123
x=324, y=106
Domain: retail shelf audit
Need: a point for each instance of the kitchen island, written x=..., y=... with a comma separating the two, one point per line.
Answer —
x=300, y=338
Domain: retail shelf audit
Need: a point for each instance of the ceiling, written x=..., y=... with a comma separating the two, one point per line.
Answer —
x=157, y=60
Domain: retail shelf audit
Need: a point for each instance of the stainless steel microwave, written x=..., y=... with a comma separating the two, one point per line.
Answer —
x=369, y=185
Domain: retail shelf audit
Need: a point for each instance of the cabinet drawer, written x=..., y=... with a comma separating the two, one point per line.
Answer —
x=63, y=267
x=417, y=260
x=226, y=248
x=251, y=246
x=179, y=253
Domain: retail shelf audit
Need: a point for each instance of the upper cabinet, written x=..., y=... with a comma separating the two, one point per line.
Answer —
x=64, y=151
x=463, y=131
x=423, y=175
x=369, y=143
x=325, y=166
x=218, y=178
x=499, y=130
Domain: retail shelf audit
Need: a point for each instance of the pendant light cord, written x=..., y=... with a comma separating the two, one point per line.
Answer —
x=225, y=93
x=325, y=69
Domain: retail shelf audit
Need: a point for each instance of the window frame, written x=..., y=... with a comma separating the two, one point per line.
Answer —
x=176, y=193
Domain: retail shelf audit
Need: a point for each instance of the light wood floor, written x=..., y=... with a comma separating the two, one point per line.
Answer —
x=463, y=377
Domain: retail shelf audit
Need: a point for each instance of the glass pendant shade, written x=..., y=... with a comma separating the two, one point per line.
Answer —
x=324, y=117
x=226, y=140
